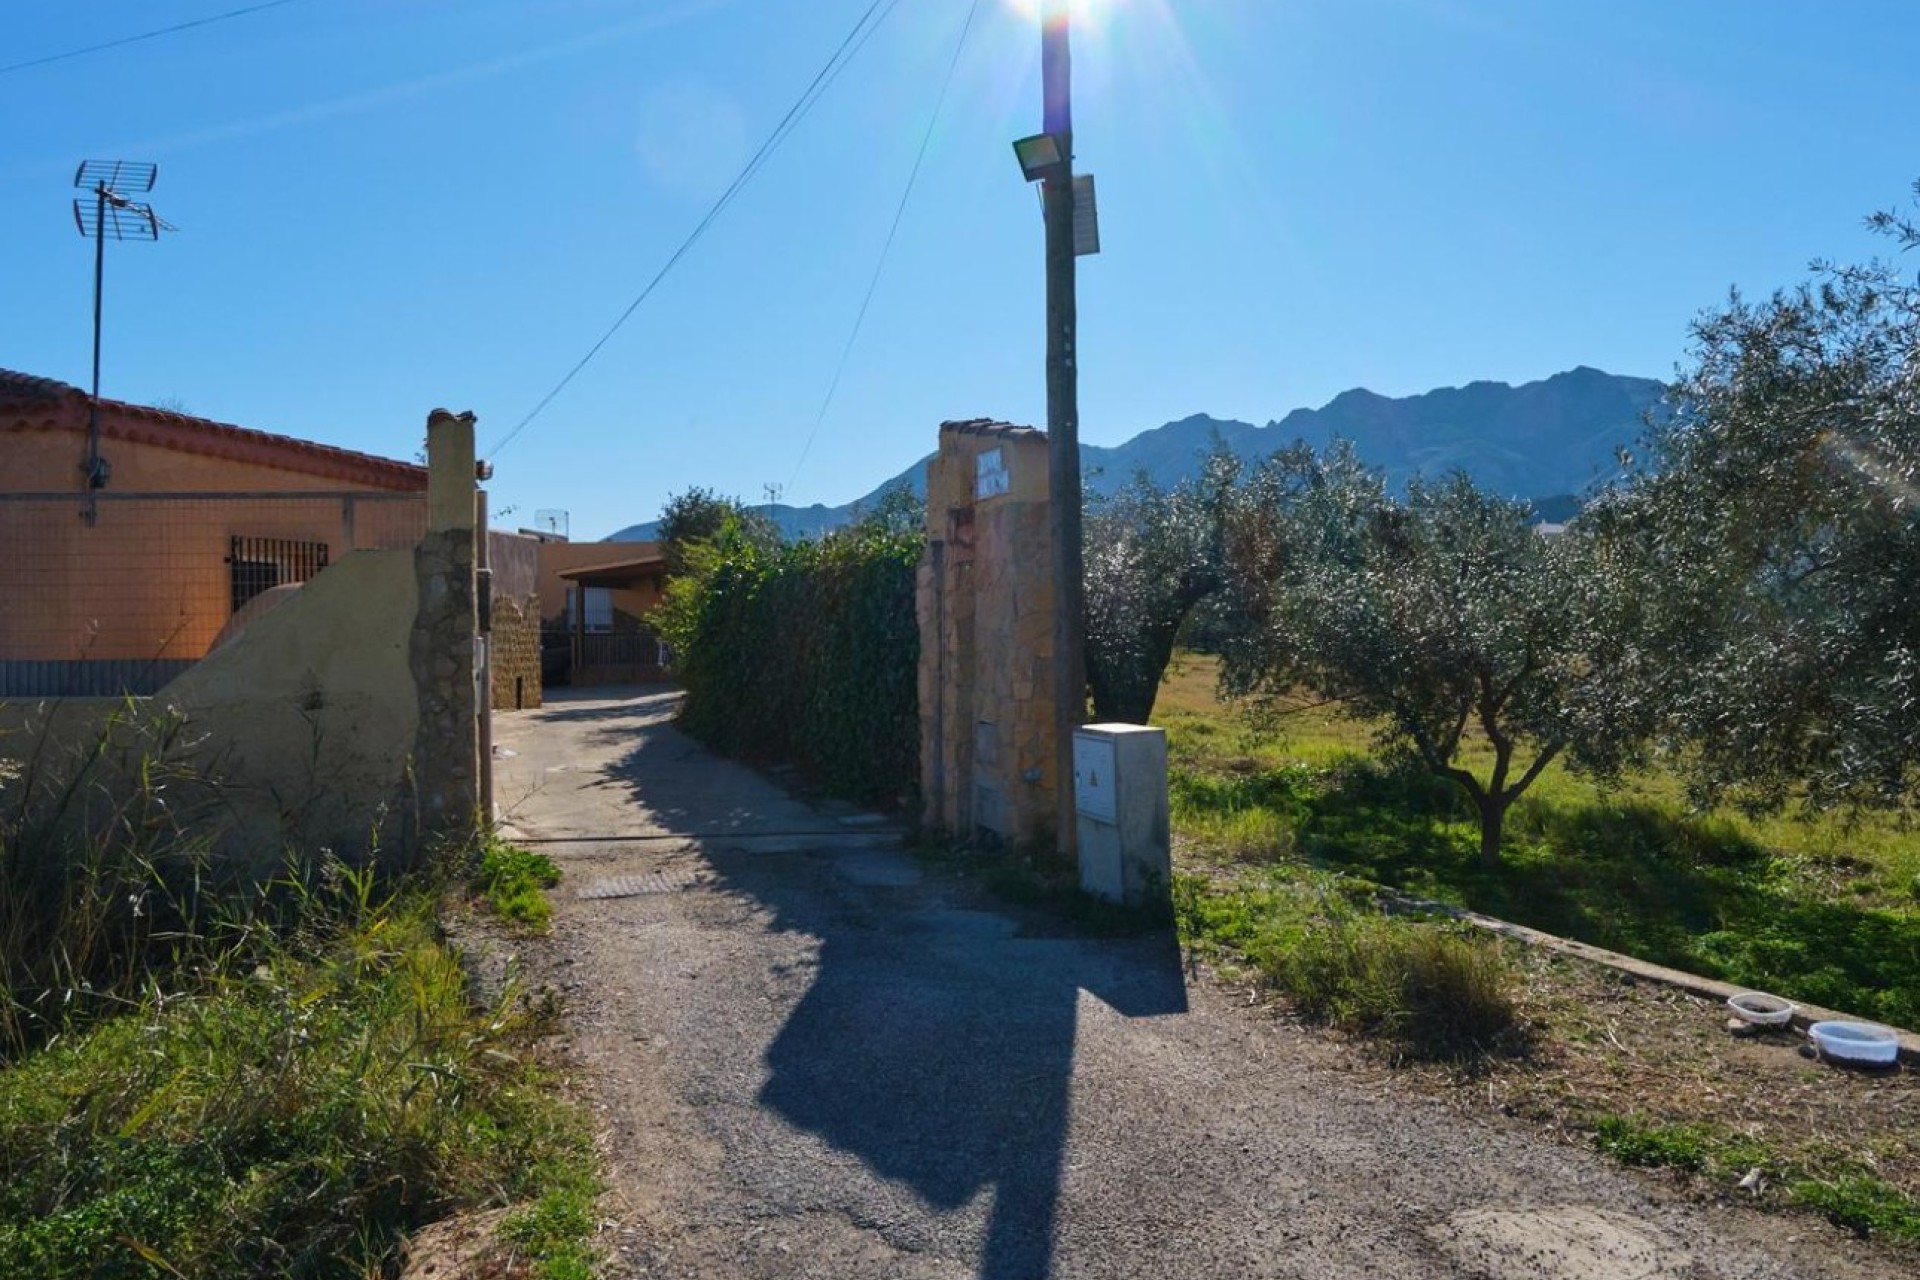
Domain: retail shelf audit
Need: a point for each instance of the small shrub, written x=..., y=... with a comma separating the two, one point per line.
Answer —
x=511, y=880
x=1431, y=991
x=1435, y=993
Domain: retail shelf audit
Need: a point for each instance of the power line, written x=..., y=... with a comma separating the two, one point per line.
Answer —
x=926, y=140
x=856, y=40
x=145, y=35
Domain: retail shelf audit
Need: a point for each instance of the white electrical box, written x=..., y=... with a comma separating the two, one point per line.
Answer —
x=1093, y=789
x=1120, y=804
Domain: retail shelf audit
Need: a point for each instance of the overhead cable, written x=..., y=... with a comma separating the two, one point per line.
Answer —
x=856, y=39
x=880, y=266
x=144, y=35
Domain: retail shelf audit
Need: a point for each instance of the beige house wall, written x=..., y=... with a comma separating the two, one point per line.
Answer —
x=558, y=557
x=985, y=604
x=150, y=580
x=48, y=461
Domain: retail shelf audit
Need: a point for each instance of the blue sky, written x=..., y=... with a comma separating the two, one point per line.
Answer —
x=388, y=205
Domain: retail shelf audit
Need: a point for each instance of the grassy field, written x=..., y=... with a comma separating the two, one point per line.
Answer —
x=1285, y=826
x=1825, y=909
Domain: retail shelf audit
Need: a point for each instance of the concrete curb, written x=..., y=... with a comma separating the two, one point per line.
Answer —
x=1804, y=1015
x=728, y=841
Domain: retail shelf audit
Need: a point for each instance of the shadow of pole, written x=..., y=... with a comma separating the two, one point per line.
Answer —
x=936, y=1043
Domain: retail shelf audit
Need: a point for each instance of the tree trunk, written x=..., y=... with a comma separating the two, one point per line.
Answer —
x=1493, y=813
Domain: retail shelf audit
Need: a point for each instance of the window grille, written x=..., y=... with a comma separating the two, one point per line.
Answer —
x=260, y=564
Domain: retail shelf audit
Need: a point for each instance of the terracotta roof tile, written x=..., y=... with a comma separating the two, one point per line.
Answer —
x=16, y=387
x=147, y=425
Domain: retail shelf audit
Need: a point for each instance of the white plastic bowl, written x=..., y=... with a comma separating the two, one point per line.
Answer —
x=1761, y=1009
x=1855, y=1042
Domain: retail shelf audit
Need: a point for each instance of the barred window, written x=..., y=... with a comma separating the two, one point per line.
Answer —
x=260, y=564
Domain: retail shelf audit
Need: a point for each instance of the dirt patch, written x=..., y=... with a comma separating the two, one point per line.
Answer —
x=1606, y=1044
x=1564, y=1242
x=463, y=1248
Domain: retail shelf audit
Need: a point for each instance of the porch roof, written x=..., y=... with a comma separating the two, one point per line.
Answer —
x=626, y=572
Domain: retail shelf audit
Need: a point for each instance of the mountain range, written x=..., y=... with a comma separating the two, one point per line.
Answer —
x=1546, y=441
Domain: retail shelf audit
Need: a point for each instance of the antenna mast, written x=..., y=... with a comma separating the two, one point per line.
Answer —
x=109, y=214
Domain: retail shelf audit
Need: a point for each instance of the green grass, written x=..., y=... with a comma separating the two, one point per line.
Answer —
x=556, y=1230
x=294, y=1117
x=1036, y=877
x=512, y=882
x=1425, y=988
x=1822, y=909
x=1848, y=1196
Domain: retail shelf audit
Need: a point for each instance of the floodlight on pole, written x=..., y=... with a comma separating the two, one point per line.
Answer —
x=1041, y=157
x=109, y=214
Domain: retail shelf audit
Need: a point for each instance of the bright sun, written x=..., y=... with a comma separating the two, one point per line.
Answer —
x=1090, y=12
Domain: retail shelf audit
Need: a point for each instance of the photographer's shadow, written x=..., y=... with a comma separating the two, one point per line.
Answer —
x=937, y=1040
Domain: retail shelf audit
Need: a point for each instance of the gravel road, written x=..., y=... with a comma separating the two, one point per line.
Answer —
x=815, y=1057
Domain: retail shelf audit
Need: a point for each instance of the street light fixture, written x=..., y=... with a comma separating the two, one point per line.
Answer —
x=1041, y=157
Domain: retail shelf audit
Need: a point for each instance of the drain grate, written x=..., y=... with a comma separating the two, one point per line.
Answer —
x=637, y=886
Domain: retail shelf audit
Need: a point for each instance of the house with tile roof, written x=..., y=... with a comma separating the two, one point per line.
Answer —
x=117, y=576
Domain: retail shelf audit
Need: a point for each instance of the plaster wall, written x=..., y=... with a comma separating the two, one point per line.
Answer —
x=303, y=725
x=152, y=578
x=344, y=718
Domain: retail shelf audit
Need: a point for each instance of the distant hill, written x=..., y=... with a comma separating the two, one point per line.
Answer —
x=1542, y=440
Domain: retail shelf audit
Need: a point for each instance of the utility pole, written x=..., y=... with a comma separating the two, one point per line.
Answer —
x=1063, y=413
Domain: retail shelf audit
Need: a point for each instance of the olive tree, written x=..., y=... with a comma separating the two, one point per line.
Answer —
x=1774, y=524
x=1151, y=556
x=1443, y=618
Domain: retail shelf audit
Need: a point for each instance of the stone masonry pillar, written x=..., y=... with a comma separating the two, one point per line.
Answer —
x=985, y=604
x=446, y=754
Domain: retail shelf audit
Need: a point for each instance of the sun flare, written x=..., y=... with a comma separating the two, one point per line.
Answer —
x=1090, y=13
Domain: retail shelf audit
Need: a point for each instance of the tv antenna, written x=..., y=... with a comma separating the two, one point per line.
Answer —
x=551, y=521
x=109, y=214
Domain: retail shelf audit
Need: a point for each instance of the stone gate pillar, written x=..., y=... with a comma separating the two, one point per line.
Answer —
x=446, y=754
x=985, y=603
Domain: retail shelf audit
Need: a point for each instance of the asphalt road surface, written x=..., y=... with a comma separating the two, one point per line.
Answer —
x=812, y=1056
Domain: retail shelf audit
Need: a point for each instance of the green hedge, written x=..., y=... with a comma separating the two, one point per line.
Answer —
x=806, y=654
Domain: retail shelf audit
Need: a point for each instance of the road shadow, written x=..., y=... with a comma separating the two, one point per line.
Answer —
x=936, y=1042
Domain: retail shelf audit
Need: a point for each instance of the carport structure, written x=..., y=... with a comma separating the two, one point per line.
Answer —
x=628, y=652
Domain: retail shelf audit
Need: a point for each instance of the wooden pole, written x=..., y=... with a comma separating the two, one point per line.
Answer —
x=1063, y=415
